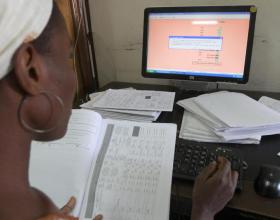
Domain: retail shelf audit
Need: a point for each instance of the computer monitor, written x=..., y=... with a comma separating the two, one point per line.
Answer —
x=209, y=43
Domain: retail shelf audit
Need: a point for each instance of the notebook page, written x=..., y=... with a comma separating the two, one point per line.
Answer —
x=237, y=110
x=60, y=168
x=132, y=177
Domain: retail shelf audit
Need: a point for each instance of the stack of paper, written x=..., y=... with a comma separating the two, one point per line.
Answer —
x=228, y=117
x=130, y=104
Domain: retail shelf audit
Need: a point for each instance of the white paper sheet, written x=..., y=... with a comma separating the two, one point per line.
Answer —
x=120, y=114
x=271, y=103
x=245, y=132
x=134, y=180
x=194, y=129
x=128, y=117
x=90, y=105
x=191, y=106
x=237, y=110
x=136, y=100
x=97, y=95
x=233, y=117
x=62, y=166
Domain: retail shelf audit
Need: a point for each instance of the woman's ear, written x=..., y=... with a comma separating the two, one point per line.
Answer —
x=29, y=69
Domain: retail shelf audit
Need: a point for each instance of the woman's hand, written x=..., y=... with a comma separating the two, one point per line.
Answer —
x=60, y=216
x=65, y=211
x=213, y=189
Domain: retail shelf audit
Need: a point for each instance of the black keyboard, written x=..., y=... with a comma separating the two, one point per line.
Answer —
x=190, y=159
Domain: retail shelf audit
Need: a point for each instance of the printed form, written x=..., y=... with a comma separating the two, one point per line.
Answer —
x=136, y=100
x=131, y=178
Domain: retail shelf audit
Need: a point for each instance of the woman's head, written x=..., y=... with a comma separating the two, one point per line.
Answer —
x=41, y=75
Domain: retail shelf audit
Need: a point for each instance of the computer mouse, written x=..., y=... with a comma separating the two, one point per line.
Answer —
x=267, y=182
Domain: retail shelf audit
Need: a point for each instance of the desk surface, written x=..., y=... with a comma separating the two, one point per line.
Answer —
x=247, y=202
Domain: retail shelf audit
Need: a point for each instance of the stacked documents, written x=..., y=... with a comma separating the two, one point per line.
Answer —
x=130, y=104
x=229, y=117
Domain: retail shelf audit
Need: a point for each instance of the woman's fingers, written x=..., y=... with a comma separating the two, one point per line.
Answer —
x=58, y=216
x=68, y=208
x=65, y=211
x=98, y=217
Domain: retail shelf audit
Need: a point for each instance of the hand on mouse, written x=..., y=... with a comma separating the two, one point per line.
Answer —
x=213, y=188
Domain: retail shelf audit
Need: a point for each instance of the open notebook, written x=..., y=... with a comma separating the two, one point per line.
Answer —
x=119, y=169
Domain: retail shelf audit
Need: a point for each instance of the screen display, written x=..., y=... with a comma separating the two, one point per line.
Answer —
x=210, y=44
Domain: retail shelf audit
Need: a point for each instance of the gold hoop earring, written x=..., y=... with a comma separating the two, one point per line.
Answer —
x=48, y=96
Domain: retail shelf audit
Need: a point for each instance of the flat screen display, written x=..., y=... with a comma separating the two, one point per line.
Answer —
x=199, y=43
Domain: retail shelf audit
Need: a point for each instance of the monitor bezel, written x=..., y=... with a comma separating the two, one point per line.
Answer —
x=240, y=8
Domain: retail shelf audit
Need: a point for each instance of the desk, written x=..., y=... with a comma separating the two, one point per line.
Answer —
x=244, y=205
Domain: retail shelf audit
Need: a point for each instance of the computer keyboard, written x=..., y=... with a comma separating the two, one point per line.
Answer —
x=190, y=159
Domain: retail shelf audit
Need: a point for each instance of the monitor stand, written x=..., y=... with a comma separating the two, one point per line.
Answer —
x=195, y=88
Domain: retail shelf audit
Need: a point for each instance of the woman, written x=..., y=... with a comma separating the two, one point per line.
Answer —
x=37, y=87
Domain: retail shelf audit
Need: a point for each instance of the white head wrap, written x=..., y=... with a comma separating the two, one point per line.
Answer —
x=20, y=21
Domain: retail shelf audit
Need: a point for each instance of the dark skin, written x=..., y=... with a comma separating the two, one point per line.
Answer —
x=213, y=189
x=33, y=74
x=64, y=213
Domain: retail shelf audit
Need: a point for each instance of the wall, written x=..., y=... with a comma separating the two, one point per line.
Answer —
x=118, y=30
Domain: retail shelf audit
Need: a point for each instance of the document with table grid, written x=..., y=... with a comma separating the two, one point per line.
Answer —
x=131, y=178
